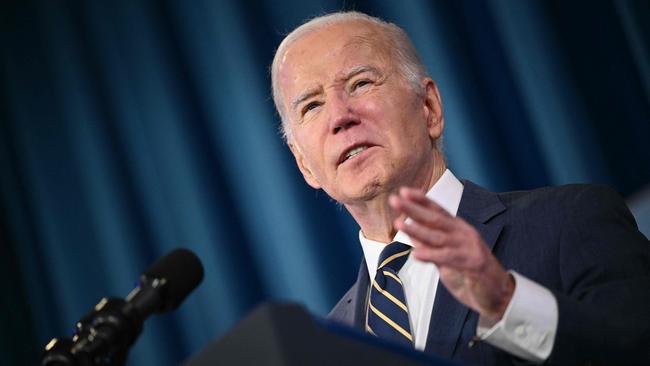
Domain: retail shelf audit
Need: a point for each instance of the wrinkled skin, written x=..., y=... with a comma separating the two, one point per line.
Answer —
x=341, y=90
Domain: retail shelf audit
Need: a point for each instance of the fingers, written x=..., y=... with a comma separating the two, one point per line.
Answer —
x=438, y=236
x=467, y=267
x=454, y=257
x=441, y=256
x=421, y=209
x=431, y=244
x=416, y=196
x=422, y=233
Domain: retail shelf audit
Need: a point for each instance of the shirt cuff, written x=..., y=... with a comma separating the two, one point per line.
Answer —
x=529, y=325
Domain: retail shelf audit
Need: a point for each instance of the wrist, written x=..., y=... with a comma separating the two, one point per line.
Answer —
x=506, y=293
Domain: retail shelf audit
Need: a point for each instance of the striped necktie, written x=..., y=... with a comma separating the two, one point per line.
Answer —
x=388, y=316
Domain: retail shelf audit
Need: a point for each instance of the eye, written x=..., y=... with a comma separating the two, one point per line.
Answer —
x=360, y=83
x=309, y=106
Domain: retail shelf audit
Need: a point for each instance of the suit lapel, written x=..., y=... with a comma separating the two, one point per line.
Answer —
x=477, y=207
x=360, y=295
x=353, y=308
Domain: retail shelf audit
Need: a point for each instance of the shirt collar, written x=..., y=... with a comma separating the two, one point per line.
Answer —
x=446, y=192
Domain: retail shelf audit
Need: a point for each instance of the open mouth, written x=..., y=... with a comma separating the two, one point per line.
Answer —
x=352, y=152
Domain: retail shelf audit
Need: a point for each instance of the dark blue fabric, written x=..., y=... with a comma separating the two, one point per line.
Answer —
x=578, y=241
x=128, y=128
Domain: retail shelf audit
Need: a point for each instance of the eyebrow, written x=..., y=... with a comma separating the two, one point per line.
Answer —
x=358, y=70
x=304, y=96
x=350, y=74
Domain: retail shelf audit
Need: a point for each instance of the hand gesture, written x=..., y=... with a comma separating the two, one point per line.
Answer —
x=467, y=268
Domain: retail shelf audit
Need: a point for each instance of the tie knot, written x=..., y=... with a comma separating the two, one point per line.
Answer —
x=394, y=256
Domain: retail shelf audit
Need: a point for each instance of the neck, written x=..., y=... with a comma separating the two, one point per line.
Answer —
x=375, y=217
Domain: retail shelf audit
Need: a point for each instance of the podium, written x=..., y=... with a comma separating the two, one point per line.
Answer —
x=287, y=335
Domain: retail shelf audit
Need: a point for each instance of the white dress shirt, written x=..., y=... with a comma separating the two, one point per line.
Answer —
x=529, y=324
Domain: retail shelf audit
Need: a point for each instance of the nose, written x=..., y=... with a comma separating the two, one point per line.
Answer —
x=342, y=114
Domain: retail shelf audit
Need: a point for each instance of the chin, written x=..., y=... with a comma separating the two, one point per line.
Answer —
x=366, y=191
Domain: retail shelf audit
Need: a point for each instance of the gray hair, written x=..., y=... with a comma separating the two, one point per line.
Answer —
x=404, y=54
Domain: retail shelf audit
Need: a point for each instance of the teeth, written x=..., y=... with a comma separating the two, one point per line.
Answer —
x=355, y=151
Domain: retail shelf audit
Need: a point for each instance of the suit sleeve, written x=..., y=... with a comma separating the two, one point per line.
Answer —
x=604, y=303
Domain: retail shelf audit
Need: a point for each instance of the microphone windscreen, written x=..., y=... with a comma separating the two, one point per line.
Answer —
x=182, y=270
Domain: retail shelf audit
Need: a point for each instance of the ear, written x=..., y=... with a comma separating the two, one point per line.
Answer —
x=433, y=109
x=306, y=173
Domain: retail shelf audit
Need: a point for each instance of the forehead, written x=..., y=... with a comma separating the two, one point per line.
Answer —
x=320, y=56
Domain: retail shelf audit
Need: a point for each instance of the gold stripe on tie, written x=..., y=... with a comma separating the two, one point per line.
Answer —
x=370, y=330
x=392, y=257
x=391, y=323
x=386, y=273
x=389, y=296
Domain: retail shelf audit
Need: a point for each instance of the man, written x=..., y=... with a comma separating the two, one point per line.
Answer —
x=558, y=274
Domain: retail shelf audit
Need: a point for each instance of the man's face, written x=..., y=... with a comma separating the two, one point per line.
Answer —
x=358, y=129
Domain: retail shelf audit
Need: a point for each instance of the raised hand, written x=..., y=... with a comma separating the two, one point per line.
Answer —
x=467, y=268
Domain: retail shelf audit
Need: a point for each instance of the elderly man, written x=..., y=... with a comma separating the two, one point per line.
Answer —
x=555, y=274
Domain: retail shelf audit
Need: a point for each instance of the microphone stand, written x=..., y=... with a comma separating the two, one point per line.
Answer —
x=105, y=334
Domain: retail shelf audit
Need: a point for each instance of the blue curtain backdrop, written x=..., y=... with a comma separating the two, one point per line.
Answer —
x=128, y=128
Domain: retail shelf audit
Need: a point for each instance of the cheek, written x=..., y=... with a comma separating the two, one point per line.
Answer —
x=368, y=103
x=369, y=98
x=311, y=147
x=390, y=105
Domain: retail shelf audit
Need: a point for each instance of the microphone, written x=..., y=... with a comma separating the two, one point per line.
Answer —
x=105, y=334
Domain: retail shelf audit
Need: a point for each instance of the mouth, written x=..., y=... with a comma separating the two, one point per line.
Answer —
x=352, y=151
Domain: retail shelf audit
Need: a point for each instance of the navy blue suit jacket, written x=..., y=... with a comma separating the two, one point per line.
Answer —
x=579, y=241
